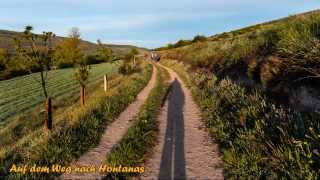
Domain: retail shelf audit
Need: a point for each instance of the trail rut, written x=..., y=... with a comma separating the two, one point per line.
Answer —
x=184, y=150
x=112, y=135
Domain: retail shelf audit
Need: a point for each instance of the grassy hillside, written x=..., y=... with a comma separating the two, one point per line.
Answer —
x=282, y=57
x=258, y=89
x=227, y=35
x=119, y=50
x=12, y=64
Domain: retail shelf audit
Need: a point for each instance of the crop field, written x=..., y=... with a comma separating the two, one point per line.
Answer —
x=23, y=93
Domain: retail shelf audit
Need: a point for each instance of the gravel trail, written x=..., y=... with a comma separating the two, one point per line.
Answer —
x=112, y=135
x=184, y=150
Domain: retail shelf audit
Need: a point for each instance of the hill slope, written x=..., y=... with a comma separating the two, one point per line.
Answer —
x=258, y=90
x=119, y=50
x=281, y=56
x=11, y=66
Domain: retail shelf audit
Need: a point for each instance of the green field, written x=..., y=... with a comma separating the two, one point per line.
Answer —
x=21, y=94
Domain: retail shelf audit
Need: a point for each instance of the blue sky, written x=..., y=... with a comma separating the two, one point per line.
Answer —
x=144, y=23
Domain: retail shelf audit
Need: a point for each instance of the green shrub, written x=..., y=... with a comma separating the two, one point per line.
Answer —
x=199, y=38
x=126, y=69
x=296, y=39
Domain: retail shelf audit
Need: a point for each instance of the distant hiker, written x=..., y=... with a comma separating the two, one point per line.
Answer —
x=155, y=57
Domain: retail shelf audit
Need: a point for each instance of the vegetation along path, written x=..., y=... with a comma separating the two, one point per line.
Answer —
x=184, y=150
x=112, y=135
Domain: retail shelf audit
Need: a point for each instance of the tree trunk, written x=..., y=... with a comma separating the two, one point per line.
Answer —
x=82, y=94
x=43, y=85
x=48, y=120
x=106, y=84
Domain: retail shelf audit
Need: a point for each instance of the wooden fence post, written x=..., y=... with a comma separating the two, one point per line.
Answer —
x=82, y=95
x=106, y=83
x=134, y=61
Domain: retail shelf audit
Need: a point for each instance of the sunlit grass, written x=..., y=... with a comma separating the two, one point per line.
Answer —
x=77, y=130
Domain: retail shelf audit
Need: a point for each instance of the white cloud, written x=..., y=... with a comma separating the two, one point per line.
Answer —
x=115, y=22
x=138, y=42
x=142, y=21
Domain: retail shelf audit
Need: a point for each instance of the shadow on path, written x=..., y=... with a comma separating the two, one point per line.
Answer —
x=173, y=163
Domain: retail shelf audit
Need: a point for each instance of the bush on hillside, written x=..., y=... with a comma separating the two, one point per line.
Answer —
x=126, y=69
x=199, y=38
x=130, y=63
x=260, y=139
x=297, y=38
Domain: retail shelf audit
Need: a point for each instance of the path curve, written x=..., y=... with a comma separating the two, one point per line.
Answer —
x=184, y=149
x=112, y=135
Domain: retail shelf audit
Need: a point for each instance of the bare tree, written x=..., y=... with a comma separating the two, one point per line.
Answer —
x=80, y=65
x=37, y=50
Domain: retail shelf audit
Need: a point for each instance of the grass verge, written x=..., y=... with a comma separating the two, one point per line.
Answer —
x=79, y=130
x=142, y=136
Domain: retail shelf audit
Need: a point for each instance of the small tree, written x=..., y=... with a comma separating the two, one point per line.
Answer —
x=82, y=74
x=3, y=59
x=104, y=52
x=69, y=53
x=37, y=50
x=199, y=38
x=62, y=54
x=128, y=65
x=80, y=65
x=134, y=52
x=68, y=50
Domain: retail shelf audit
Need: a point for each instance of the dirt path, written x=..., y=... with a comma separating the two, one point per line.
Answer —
x=184, y=150
x=112, y=135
